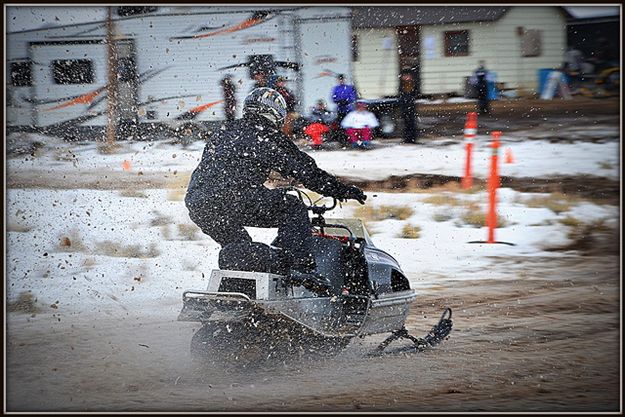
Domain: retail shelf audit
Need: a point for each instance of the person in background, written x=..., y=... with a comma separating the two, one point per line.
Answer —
x=321, y=114
x=481, y=83
x=359, y=125
x=573, y=61
x=278, y=83
x=261, y=79
x=344, y=96
x=408, y=107
x=321, y=121
x=230, y=101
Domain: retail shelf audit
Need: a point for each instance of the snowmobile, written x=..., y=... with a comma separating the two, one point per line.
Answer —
x=251, y=311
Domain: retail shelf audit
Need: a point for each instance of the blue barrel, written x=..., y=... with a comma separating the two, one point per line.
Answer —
x=543, y=75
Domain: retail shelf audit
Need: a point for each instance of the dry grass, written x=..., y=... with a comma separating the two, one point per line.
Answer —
x=606, y=165
x=370, y=213
x=188, y=231
x=161, y=219
x=476, y=217
x=71, y=242
x=580, y=230
x=89, y=263
x=571, y=221
x=26, y=303
x=556, y=202
x=107, y=148
x=410, y=231
x=184, y=232
x=133, y=192
x=591, y=238
x=442, y=216
x=166, y=232
x=178, y=186
x=18, y=228
x=116, y=249
x=442, y=200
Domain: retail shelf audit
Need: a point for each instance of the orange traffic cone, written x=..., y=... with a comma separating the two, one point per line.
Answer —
x=509, y=158
x=126, y=165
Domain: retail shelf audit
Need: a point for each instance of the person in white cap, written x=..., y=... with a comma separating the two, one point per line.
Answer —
x=359, y=125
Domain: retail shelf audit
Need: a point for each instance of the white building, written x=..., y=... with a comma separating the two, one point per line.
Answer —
x=443, y=44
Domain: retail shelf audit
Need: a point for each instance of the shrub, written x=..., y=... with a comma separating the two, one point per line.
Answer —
x=442, y=200
x=188, y=231
x=556, y=202
x=18, y=228
x=442, y=216
x=371, y=213
x=26, y=303
x=133, y=192
x=474, y=216
x=161, y=219
x=116, y=249
x=71, y=242
x=107, y=148
x=410, y=231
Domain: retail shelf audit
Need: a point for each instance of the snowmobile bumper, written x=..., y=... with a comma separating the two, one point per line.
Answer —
x=203, y=306
x=387, y=312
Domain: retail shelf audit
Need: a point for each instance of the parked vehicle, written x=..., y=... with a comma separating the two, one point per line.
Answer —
x=169, y=64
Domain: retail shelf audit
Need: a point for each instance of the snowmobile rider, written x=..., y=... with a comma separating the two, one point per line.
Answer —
x=226, y=190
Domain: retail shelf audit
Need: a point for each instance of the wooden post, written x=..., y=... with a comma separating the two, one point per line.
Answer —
x=111, y=88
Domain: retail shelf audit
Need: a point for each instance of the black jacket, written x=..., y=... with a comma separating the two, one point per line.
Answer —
x=242, y=156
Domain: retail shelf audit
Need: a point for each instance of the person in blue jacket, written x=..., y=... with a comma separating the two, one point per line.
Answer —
x=345, y=96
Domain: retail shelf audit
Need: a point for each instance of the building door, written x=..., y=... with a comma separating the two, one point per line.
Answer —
x=408, y=40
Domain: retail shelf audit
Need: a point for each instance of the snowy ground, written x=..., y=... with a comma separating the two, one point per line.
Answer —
x=445, y=156
x=534, y=329
x=86, y=250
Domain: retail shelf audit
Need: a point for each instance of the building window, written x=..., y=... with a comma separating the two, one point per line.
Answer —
x=73, y=71
x=135, y=10
x=531, y=43
x=456, y=43
x=355, y=48
x=21, y=74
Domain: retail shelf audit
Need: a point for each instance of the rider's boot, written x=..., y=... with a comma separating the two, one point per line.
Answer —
x=312, y=281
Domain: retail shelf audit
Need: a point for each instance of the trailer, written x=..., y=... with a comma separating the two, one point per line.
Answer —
x=169, y=64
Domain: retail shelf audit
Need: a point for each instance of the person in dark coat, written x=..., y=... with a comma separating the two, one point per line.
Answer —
x=408, y=107
x=226, y=190
x=481, y=83
x=230, y=101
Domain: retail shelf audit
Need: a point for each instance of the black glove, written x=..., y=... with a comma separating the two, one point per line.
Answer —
x=352, y=193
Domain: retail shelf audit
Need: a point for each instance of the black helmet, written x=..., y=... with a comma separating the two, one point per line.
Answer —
x=266, y=102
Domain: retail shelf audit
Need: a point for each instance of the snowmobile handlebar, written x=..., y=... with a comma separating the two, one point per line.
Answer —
x=312, y=205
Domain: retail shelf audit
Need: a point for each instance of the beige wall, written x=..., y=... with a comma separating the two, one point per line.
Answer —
x=376, y=71
x=499, y=45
